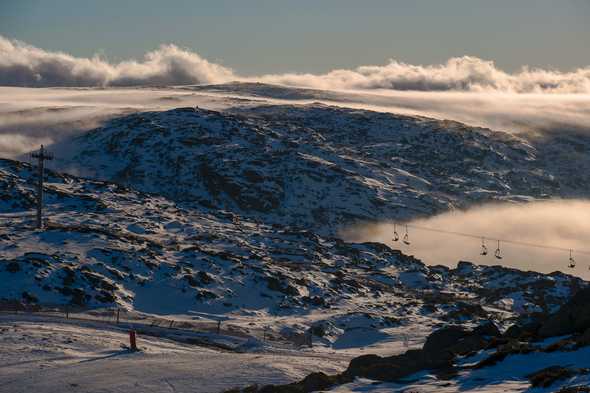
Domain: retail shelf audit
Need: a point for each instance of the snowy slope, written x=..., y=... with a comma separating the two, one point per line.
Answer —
x=52, y=356
x=320, y=167
x=106, y=245
x=234, y=213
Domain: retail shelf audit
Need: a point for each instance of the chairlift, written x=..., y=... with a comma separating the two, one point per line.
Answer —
x=407, y=237
x=484, y=249
x=395, y=234
x=572, y=261
x=498, y=253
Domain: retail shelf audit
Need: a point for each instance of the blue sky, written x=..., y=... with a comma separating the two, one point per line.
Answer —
x=262, y=36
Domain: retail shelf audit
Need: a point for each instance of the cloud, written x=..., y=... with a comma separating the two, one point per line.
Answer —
x=465, y=89
x=26, y=65
x=32, y=116
x=558, y=223
x=516, y=113
x=58, y=114
x=465, y=73
x=16, y=144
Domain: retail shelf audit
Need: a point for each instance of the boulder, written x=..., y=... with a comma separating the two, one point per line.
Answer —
x=312, y=383
x=445, y=338
x=488, y=328
x=584, y=339
x=317, y=381
x=572, y=317
x=547, y=376
x=575, y=389
x=468, y=345
x=513, y=332
x=393, y=368
x=527, y=328
x=457, y=340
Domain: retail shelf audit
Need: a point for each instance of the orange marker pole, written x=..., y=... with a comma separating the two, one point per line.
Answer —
x=132, y=340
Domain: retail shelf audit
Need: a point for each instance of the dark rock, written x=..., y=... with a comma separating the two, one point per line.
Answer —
x=203, y=295
x=318, y=330
x=204, y=277
x=275, y=284
x=444, y=338
x=575, y=389
x=317, y=381
x=526, y=331
x=513, y=332
x=547, y=376
x=312, y=383
x=191, y=280
x=314, y=300
x=489, y=329
x=511, y=348
x=468, y=345
x=573, y=317
x=393, y=368
x=29, y=298
x=561, y=345
x=13, y=267
x=105, y=297
x=466, y=310
x=584, y=339
x=79, y=297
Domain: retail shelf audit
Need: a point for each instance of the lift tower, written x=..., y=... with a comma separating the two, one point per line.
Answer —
x=41, y=156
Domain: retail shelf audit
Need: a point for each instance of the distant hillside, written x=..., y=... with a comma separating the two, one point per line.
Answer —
x=319, y=167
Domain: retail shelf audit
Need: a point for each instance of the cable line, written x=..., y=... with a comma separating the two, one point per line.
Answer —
x=499, y=240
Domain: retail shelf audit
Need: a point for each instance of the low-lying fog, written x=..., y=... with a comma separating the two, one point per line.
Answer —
x=31, y=116
x=556, y=223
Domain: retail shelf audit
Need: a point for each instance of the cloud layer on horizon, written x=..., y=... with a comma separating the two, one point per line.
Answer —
x=25, y=65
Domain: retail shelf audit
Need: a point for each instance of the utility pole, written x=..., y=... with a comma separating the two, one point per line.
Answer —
x=41, y=156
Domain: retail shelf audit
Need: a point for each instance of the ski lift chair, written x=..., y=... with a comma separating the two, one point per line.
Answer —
x=406, y=237
x=395, y=234
x=498, y=253
x=484, y=249
x=572, y=261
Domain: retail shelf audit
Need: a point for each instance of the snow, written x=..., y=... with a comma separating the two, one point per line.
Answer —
x=509, y=375
x=202, y=216
x=315, y=166
x=70, y=357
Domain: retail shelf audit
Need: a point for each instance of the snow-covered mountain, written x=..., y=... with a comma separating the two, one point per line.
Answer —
x=108, y=245
x=236, y=213
x=239, y=209
x=321, y=168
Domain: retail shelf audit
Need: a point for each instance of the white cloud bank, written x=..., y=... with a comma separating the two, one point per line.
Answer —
x=465, y=89
x=26, y=65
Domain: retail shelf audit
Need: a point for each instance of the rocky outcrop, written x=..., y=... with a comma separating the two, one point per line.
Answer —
x=547, y=376
x=438, y=353
x=572, y=317
x=393, y=368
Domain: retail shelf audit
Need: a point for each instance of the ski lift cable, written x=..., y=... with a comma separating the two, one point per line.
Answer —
x=505, y=241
